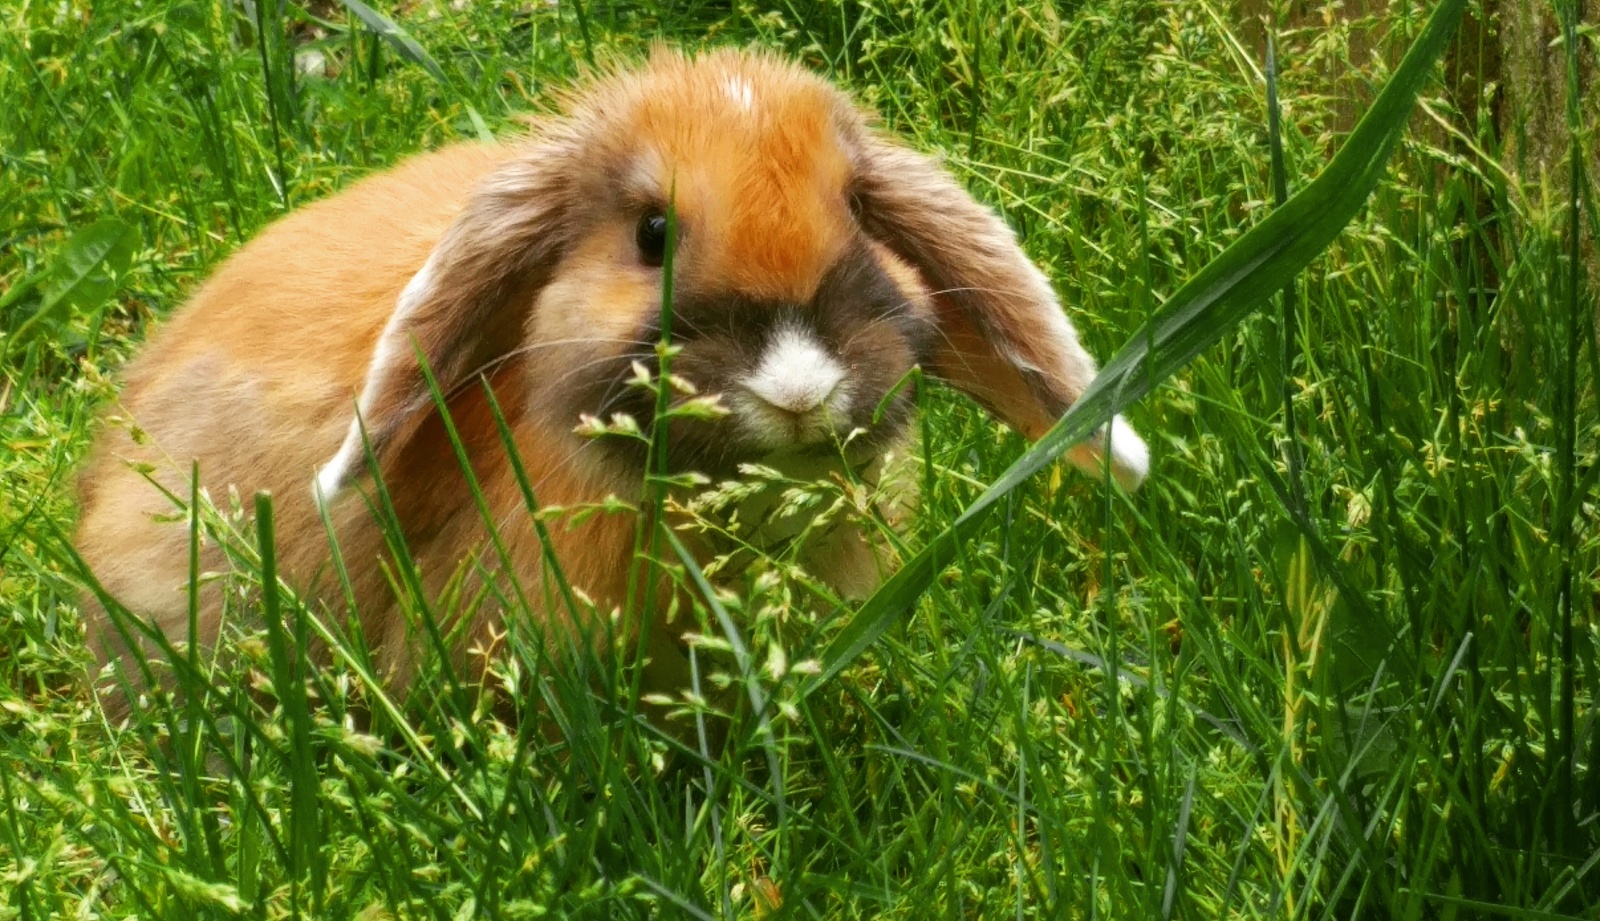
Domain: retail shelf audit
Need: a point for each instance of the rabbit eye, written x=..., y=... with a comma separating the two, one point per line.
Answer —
x=651, y=237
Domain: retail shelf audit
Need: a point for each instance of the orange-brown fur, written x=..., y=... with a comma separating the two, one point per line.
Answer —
x=251, y=381
x=256, y=378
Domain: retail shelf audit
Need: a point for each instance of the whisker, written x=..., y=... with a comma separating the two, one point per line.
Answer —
x=494, y=364
x=683, y=322
x=509, y=516
x=871, y=325
x=560, y=382
x=975, y=289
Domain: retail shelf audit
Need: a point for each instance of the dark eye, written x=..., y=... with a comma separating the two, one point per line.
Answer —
x=651, y=236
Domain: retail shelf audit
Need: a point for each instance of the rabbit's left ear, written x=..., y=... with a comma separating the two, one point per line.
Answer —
x=465, y=307
x=1003, y=338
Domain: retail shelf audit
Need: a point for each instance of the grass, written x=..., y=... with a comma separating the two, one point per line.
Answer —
x=1337, y=658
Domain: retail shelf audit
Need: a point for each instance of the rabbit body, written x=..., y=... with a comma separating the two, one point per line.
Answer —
x=254, y=381
x=817, y=262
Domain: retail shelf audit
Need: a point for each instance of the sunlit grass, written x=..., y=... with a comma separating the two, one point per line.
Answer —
x=1184, y=703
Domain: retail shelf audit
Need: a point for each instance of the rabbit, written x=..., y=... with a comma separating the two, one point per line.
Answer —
x=818, y=260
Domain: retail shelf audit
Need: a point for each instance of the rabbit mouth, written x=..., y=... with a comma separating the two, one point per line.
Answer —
x=775, y=428
x=835, y=425
x=789, y=392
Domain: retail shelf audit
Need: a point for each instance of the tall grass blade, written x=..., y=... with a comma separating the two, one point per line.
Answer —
x=1567, y=431
x=273, y=82
x=291, y=666
x=1180, y=840
x=1280, y=195
x=530, y=504
x=395, y=37
x=742, y=658
x=1229, y=288
x=22, y=880
x=657, y=465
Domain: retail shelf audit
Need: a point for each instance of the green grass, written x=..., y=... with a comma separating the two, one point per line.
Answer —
x=1337, y=658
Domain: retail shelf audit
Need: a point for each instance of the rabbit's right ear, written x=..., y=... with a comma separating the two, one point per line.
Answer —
x=466, y=306
x=1003, y=337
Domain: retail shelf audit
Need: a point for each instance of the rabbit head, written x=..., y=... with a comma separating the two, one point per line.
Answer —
x=816, y=263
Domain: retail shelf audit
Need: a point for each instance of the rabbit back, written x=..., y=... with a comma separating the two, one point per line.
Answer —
x=253, y=380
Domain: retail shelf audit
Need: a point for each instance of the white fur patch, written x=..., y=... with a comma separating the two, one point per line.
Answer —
x=796, y=373
x=740, y=91
x=386, y=354
x=330, y=479
x=795, y=393
x=1130, y=457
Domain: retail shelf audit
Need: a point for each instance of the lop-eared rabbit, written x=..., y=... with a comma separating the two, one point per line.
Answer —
x=817, y=262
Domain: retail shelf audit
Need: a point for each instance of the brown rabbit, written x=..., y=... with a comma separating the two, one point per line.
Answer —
x=817, y=262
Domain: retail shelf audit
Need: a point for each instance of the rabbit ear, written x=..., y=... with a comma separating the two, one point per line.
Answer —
x=1003, y=338
x=465, y=307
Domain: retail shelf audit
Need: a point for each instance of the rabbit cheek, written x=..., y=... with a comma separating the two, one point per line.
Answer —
x=584, y=334
x=596, y=301
x=870, y=311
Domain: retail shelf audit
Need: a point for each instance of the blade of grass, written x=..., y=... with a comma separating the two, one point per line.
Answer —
x=290, y=665
x=652, y=522
x=747, y=669
x=1180, y=840
x=1280, y=194
x=1567, y=433
x=395, y=37
x=107, y=244
x=280, y=180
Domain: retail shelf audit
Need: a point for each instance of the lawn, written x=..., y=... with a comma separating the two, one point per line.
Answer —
x=1338, y=657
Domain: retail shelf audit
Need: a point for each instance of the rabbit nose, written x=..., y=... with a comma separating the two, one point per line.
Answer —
x=799, y=397
x=796, y=374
